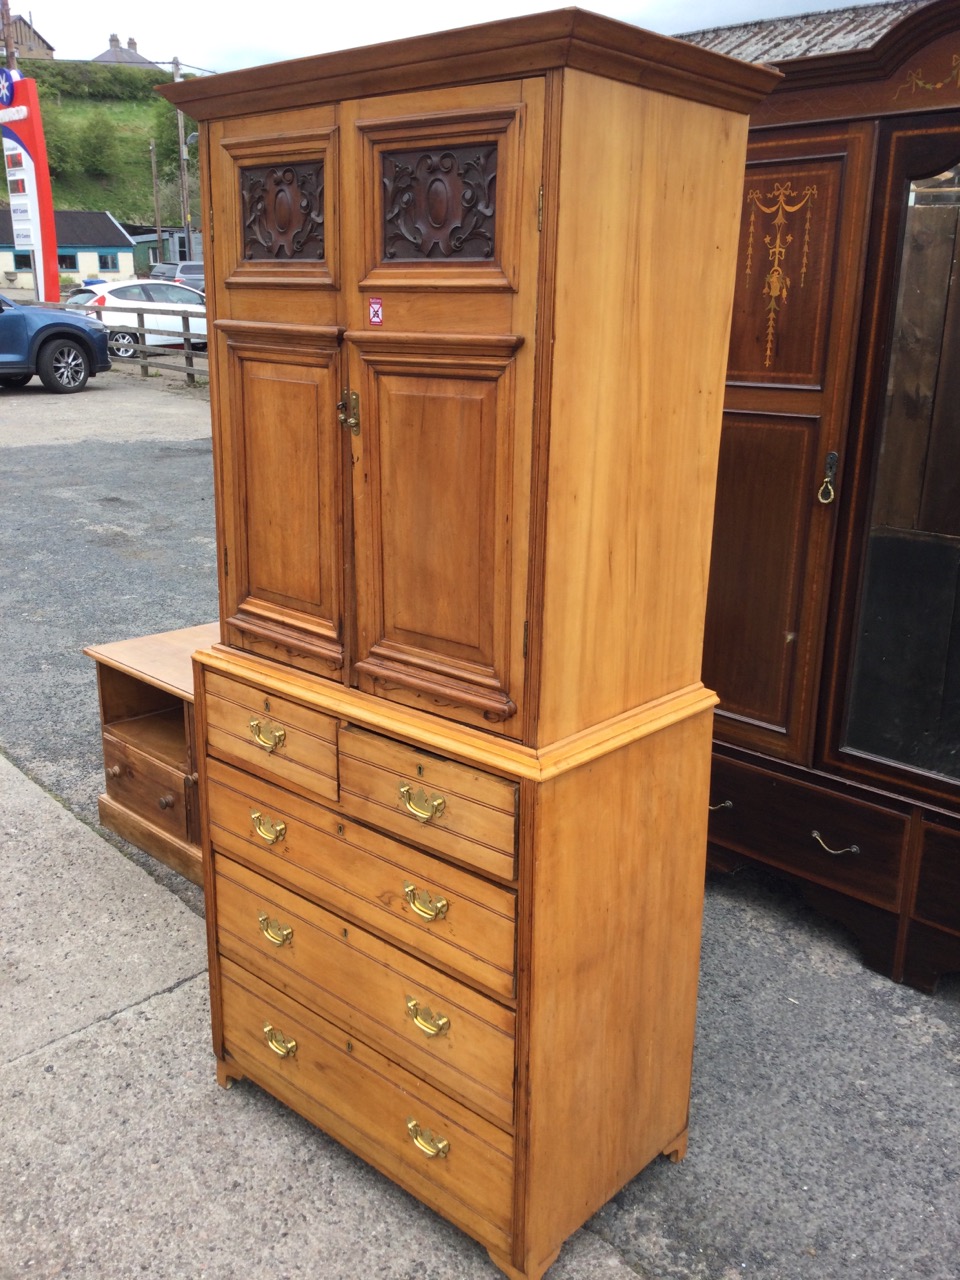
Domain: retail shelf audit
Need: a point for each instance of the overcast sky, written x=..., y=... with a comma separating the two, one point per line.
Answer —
x=227, y=34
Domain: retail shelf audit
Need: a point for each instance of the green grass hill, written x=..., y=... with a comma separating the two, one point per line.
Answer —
x=99, y=120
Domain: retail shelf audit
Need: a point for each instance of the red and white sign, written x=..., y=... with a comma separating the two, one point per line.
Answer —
x=28, y=180
x=376, y=311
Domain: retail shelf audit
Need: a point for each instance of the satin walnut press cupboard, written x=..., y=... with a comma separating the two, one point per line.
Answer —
x=470, y=300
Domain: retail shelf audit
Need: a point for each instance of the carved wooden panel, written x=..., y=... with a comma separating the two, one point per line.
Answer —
x=785, y=272
x=277, y=221
x=441, y=197
x=440, y=203
x=434, y=525
x=754, y=632
x=282, y=210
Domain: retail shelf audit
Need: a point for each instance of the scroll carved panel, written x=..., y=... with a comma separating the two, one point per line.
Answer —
x=282, y=210
x=440, y=203
x=785, y=272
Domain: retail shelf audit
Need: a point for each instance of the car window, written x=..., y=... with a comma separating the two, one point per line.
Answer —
x=191, y=268
x=130, y=293
x=82, y=298
x=175, y=294
x=163, y=270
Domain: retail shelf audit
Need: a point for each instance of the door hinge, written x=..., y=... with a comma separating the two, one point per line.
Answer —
x=348, y=410
x=540, y=209
x=226, y=562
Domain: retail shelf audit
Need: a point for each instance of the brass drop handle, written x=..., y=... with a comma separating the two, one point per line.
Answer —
x=431, y=1024
x=826, y=493
x=419, y=805
x=166, y=802
x=278, y=1042
x=269, y=829
x=268, y=736
x=425, y=1141
x=425, y=906
x=275, y=932
x=853, y=848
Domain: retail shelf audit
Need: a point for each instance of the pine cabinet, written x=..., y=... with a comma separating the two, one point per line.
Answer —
x=470, y=296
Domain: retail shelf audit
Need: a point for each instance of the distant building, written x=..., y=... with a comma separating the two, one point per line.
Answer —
x=129, y=56
x=88, y=245
x=27, y=42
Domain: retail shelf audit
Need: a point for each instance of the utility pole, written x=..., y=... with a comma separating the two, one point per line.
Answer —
x=184, y=192
x=7, y=25
x=156, y=199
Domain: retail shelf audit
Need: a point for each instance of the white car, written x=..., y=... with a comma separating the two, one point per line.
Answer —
x=119, y=304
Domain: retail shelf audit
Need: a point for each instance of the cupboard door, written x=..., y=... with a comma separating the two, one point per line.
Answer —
x=434, y=521
x=282, y=476
x=781, y=452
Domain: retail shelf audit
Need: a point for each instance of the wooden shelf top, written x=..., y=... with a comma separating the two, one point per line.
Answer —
x=162, y=660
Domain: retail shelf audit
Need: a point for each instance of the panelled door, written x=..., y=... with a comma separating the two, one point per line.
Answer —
x=440, y=352
x=783, y=439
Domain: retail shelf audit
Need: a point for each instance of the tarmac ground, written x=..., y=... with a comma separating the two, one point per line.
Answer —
x=825, y=1117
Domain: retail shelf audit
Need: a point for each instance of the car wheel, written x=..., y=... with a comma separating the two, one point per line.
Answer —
x=63, y=366
x=15, y=379
x=123, y=345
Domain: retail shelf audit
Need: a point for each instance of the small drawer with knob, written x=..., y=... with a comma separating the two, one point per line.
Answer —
x=275, y=737
x=836, y=840
x=433, y=1023
x=429, y=1142
x=161, y=793
x=450, y=808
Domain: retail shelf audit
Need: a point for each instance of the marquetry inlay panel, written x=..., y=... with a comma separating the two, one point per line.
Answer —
x=785, y=273
x=282, y=210
x=440, y=203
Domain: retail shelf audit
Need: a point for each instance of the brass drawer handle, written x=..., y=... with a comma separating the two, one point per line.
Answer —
x=425, y=1141
x=166, y=802
x=275, y=932
x=431, y=1024
x=114, y=771
x=268, y=736
x=426, y=907
x=278, y=1042
x=420, y=805
x=269, y=829
x=853, y=848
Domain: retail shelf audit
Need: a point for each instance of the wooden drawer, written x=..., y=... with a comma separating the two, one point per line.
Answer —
x=446, y=915
x=372, y=1106
x=787, y=824
x=450, y=808
x=141, y=783
x=417, y=1015
x=938, y=889
x=278, y=739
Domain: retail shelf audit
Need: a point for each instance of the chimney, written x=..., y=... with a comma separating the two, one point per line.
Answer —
x=132, y=45
x=114, y=42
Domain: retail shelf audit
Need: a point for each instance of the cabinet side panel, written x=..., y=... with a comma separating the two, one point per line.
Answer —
x=613, y=967
x=646, y=253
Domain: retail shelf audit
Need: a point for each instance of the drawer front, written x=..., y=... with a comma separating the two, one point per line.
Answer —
x=279, y=739
x=938, y=890
x=385, y=1114
x=447, y=807
x=830, y=839
x=448, y=916
x=433, y=1024
x=154, y=791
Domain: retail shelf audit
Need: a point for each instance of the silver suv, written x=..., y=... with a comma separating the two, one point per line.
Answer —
x=188, y=273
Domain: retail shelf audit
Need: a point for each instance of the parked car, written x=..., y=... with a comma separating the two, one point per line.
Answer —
x=188, y=273
x=119, y=304
x=64, y=350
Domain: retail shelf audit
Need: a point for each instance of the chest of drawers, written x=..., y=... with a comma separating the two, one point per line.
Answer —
x=470, y=297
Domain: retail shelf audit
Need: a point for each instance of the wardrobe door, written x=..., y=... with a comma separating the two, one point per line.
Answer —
x=782, y=444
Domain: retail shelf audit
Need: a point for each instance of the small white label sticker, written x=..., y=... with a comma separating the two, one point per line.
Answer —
x=376, y=311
